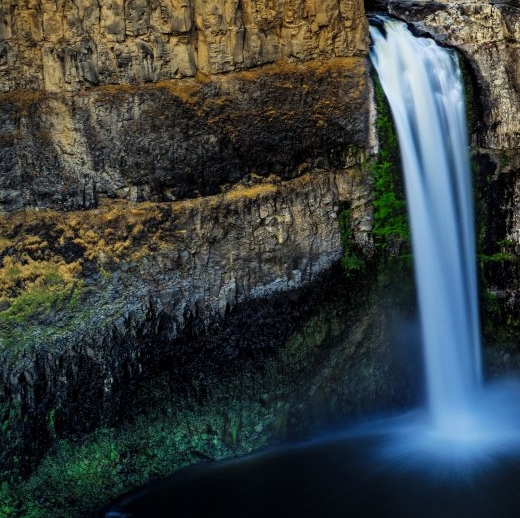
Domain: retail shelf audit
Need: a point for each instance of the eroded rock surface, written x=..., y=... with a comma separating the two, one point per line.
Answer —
x=488, y=34
x=150, y=276
x=70, y=45
x=145, y=103
x=178, y=138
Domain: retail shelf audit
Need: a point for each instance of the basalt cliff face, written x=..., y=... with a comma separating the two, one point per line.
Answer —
x=129, y=101
x=488, y=35
x=168, y=123
x=70, y=45
x=188, y=137
x=164, y=164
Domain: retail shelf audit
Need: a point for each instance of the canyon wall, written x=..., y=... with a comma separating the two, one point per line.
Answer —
x=129, y=101
x=168, y=123
x=166, y=163
x=124, y=290
x=188, y=137
x=163, y=165
x=70, y=45
x=488, y=35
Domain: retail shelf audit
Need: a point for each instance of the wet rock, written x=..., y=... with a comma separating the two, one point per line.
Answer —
x=488, y=34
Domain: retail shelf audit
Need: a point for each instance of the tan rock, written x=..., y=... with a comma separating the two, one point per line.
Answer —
x=113, y=22
x=70, y=46
x=489, y=36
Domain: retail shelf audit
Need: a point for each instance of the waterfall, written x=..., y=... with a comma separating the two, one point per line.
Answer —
x=402, y=465
x=422, y=83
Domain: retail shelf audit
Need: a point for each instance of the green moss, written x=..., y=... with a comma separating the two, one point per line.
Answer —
x=498, y=257
x=37, y=302
x=391, y=230
x=504, y=159
x=10, y=442
x=77, y=479
x=8, y=504
x=390, y=220
x=352, y=260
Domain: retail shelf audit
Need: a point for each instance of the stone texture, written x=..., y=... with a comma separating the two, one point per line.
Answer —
x=154, y=102
x=180, y=138
x=69, y=45
x=191, y=265
x=488, y=34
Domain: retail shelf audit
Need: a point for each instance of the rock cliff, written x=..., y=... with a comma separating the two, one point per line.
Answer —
x=488, y=34
x=58, y=45
x=148, y=133
x=164, y=141
x=163, y=165
x=105, y=297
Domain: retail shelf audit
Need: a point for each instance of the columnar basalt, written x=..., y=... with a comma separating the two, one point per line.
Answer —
x=163, y=164
x=119, y=287
x=72, y=45
x=186, y=137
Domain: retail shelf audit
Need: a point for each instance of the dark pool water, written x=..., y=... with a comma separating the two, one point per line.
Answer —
x=396, y=470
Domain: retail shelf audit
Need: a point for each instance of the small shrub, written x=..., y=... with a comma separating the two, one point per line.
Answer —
x=352, y=259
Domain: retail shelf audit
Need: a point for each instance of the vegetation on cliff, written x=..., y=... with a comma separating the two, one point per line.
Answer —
x=298, y=386
x=51, y=260
x=391, y=231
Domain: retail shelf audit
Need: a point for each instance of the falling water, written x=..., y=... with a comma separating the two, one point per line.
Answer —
x=423, y=85
x=406, y=465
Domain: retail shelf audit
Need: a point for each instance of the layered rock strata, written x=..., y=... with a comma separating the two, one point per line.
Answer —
x=144, y=276
x=111, y=112
x=178, y=138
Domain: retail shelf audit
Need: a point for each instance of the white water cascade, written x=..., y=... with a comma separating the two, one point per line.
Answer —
x=463, y=457
x=465, y=417
x=423, y=85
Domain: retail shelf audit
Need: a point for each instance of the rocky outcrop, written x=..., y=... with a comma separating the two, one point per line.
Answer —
x=200, y=257
x=155, y=179
x=71, y=45
x=178, y=138
x=488, y=34
x=149, y=275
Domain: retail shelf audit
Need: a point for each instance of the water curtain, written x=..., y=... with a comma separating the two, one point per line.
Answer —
x=422, y=82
